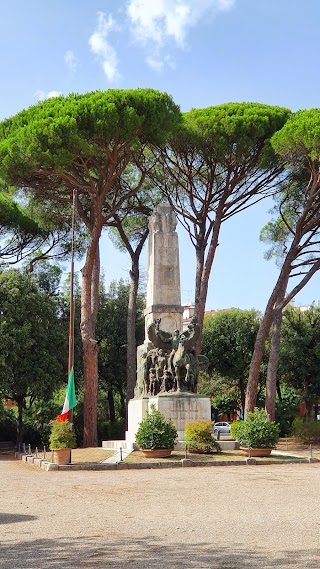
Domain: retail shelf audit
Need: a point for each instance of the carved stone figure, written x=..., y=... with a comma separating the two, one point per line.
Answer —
x=171, y=365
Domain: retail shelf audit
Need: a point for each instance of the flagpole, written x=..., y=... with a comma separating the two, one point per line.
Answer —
x=71, y=315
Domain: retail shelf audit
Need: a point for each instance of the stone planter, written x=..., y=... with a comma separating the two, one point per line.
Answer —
x=256, y=451
x=62, y=456
x=156, y=453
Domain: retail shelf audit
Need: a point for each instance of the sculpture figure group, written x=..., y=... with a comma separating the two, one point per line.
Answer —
x=171, y=365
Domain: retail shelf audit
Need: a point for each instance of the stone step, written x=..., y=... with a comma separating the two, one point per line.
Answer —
x=116, y=445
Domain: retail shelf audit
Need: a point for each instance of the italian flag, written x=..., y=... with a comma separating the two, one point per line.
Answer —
x=70, y=399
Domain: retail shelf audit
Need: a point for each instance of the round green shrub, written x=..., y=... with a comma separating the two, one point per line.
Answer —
x=156, y=432
x=198, y=436
x=62, y=435
x=256, y=430
x=306, y=430
x=234, y=427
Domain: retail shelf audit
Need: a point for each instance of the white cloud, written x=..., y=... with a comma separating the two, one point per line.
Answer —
x=101, y=47
x=71, y=61
x=157, y=23
x=156, y=64
x=41, y=95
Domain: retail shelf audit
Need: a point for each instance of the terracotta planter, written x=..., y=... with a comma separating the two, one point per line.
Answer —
x=156, y=453
x=62, y=456
x=256, y=451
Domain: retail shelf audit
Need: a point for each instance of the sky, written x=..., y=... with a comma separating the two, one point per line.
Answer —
x=202, y=52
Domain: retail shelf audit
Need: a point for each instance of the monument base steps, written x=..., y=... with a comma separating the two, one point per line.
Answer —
x=117, y=445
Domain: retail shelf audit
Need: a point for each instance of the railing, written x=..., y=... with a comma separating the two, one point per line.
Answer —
x=43, y=453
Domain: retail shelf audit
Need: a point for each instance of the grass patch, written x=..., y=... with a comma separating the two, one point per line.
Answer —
x=79, y=455
x=227, y=455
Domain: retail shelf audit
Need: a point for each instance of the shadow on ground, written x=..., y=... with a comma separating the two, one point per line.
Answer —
x=148, y=553
x=14, y=518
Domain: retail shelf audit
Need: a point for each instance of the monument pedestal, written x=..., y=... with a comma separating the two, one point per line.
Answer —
x=181, y=407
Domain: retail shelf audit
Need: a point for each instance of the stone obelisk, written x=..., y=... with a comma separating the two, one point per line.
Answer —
x=163, y=284
x=163, y=317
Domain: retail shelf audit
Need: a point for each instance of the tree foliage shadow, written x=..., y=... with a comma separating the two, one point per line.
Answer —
x=147, y=553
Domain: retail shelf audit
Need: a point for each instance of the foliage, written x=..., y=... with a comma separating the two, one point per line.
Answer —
x=220, y=161
x=300, y=137
x=62, y=435
x=228, y=342
x=306, y=430
x=234, y=428
x=224, y=394
x=14, y=216
x=227, y=403
x=256, y=430
x=112, y=336
x=156, y=432
x=198, y=436
x=299, y=362
x=295, y=237
x=8, y=423
x=86, y=141
x=32, y=345
x=287, y=408
x=31, y=338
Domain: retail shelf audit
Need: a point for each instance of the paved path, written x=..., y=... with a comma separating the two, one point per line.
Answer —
x=245, y=517
x=118, y=455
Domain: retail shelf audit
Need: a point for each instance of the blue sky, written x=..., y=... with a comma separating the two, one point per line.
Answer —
x=202, y=52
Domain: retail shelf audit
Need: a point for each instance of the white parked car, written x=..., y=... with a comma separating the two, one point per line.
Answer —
x=222, y=427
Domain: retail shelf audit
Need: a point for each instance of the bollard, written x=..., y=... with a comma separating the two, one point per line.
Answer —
x=44, y=453
x=310, y=450
x=52, y=456
x=186, y=451
x=36, y=452
x=286, y=444
x=120, y=454
x=29, y=449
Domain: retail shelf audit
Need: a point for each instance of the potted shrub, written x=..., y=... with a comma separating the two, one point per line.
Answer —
x=156, y=435
x=199, y=439
x=62, y=440
x=256, y=432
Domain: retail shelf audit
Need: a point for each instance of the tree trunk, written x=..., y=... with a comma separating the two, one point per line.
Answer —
x=309, y=403
x=203, y=271
x=112, y=412
x=20, y=402
x=89, y=309
x=242, y=393
x=279, y=391
x=259, y=347
x=131, y=329
x=271, y=383
x=254, y=372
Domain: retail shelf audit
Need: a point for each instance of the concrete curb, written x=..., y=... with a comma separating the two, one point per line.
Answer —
x=184, y=463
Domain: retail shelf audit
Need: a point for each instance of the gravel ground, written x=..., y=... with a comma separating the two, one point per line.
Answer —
x=238, y=517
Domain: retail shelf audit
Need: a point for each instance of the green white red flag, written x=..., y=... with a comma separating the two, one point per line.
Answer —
x=70, y=398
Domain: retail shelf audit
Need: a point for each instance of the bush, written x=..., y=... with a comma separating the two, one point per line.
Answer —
x=8, y=424
x=234, y=427
x=257, y=431
x=156, y=432
x=306, y=430
x=287, y=409
x=62, y=435
x=198, y=436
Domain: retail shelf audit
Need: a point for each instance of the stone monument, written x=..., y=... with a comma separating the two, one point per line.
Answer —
x=167, y=364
